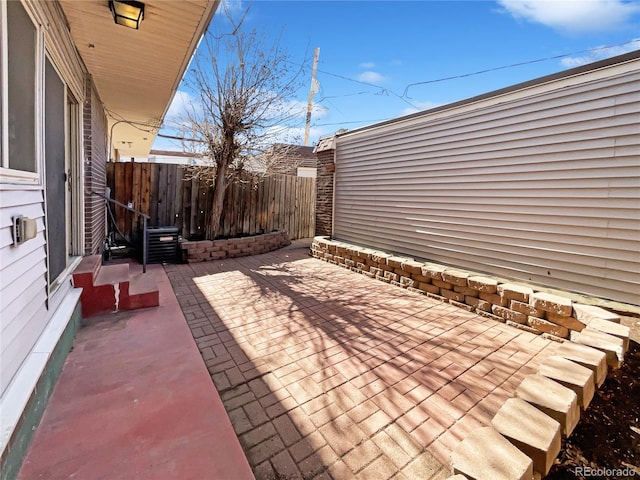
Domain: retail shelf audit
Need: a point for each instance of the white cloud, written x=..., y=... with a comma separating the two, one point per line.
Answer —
x=574, y=16
x=231, y=6
x=367, y=65
x=601, y=53
x=419, y=107
x=371, y=77
x=319, y=111
x=182, y=102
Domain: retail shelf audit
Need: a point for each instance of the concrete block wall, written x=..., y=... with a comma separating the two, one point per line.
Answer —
x=209, y=250
x=548, y=403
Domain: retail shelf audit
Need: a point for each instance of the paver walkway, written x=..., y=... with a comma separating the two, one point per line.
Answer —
x=329, y=374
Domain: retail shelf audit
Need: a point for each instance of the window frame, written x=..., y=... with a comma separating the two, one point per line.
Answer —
x=11, y=175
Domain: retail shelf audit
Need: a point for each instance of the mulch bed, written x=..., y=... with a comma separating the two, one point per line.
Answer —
x=606, y=442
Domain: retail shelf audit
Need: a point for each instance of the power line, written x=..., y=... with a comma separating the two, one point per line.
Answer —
x=404, y=96
x=383, y=90
x=406, y=90
x=186, y=139
x=354, y=121
x=367, y=92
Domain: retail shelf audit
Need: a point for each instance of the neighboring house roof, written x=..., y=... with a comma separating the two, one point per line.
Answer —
x=176, y=158
x=296, y=156
x=170, y=153
x=137, y=72
x=327, y=143
x=305, y=156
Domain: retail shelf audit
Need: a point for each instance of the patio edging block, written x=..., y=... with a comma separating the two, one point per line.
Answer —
x=211, y=250
x=524, y=304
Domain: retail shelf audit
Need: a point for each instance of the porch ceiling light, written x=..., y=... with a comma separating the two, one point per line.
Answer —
x=127, y=12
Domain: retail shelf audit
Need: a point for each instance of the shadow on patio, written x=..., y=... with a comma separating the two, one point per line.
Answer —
x=326, y=373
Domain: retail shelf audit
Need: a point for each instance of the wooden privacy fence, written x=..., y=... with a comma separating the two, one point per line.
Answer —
x=253, y=206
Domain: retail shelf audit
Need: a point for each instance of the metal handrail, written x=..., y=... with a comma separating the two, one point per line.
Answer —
x=144, y=216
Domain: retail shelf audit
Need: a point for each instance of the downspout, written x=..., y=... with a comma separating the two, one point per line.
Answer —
x=333, y=193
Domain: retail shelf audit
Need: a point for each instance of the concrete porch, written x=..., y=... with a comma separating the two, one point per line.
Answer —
x=134, y=400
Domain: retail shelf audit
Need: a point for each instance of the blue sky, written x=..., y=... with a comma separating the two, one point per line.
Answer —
x=389, y=45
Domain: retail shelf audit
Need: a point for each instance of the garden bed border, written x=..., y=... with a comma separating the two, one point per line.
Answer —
x=211, y=250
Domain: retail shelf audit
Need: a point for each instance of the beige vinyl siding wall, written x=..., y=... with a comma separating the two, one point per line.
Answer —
x=25, y=308
x=60, y=46
x=539, y=184
x=23, y=289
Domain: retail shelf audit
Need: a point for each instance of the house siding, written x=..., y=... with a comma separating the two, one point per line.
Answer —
x=23, y=314
x=95, y=151
x=60, y=46
x=31, y=312
x=539, y=184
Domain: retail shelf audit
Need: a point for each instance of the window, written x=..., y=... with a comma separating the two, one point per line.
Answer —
x=19, y=86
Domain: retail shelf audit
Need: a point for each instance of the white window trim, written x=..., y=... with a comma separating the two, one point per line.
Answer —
x=9, y=175
x=73, y=152
x=76, y=149
x=4, y=84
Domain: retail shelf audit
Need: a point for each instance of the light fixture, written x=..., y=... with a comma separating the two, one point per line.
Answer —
x=127, y=12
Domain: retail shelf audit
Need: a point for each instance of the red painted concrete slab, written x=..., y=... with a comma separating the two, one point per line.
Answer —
x=112, y=274
x=135, y=401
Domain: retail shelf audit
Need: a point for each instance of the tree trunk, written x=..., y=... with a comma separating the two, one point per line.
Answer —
x=219, y=188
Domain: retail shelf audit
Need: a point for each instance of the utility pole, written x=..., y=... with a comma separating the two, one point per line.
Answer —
x=312, y=90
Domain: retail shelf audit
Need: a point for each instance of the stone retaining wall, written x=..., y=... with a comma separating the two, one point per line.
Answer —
x=208, y=250
x=517, y=304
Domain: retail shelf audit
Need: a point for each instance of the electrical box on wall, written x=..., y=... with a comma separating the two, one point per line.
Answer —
x=23, y=229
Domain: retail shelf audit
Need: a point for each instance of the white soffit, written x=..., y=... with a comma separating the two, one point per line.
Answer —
x=137, y=72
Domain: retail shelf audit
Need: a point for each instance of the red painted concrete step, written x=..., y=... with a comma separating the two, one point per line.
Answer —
x=86, y=271
x=111, y=275
x=109, y=288
x=143, y=292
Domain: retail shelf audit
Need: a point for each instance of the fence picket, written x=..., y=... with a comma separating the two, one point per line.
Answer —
x=195, y=193
x=253, y=205
x=128, y=194
x=145, y=187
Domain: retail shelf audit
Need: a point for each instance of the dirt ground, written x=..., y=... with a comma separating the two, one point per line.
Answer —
x=606, y=442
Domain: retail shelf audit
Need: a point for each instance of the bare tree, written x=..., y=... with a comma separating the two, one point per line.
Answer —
x=243, y=101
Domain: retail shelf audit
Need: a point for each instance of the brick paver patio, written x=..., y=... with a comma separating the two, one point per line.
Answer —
x=329, y=374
